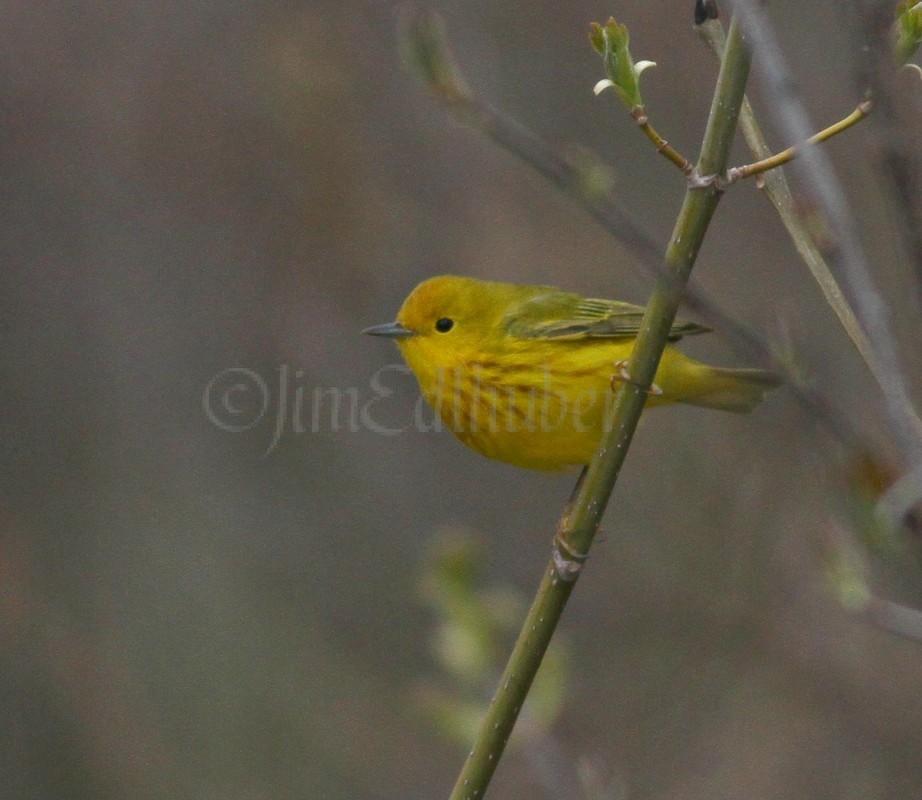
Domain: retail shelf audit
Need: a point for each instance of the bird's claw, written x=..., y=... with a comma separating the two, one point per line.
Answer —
x=623, y=376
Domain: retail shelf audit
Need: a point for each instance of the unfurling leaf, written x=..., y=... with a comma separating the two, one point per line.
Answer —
x=611, y=42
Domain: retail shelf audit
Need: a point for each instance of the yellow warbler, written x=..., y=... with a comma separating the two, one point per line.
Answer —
x=524, y=374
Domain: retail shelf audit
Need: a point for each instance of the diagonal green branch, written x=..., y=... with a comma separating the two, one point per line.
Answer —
x=695, y=216
x=581, y=520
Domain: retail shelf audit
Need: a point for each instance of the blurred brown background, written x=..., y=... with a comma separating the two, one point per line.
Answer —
x=193, y=612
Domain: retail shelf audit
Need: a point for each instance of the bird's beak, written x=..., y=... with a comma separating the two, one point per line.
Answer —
x=392, y=330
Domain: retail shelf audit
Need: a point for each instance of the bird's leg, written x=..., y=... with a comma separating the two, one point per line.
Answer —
x=568, y=563
x=622, y=375
x=579, y=483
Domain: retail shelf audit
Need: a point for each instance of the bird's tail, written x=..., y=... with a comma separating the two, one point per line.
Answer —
x=737, y=390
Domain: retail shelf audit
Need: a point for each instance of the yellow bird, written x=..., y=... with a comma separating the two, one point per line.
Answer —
x=524, y=374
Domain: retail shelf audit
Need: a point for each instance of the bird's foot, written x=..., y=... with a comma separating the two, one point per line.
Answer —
x=623, y=376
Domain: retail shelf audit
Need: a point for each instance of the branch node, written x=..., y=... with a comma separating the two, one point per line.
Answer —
x=567, y=563
x=639, y=115
x=698, y=181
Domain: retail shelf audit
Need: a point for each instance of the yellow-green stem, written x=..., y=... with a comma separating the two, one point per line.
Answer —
x=639, y=114
x=780, y=159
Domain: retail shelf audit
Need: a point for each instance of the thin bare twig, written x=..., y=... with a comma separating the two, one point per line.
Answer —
x=897, y=141
x=847, y=252
x=861, y=111
x=895, y=618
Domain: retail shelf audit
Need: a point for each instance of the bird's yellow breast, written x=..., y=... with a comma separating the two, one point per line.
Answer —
x=539, y=405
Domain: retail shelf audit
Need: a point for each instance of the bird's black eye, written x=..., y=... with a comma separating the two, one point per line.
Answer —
x=444, y=325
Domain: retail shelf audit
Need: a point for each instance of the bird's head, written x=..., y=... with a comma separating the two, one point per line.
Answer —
x=444, y=320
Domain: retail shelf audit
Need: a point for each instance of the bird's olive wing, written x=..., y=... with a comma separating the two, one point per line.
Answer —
x=561, y=315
